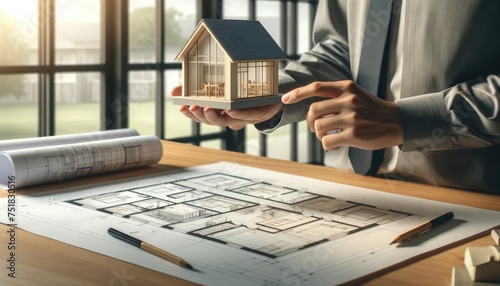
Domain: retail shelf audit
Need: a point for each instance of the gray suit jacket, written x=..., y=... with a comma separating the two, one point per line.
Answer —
x=450, y=86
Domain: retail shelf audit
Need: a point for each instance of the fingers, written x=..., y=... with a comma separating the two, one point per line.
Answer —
x=241, y=114
x=256, y=114
x=197, y=114
x=322, y=109
x=334, y=140
x=207, y=115
x=220, y=118
x=325, y=125
x=211, y=116
x=176, y=91
x=321, y=89
x=234, y=119
x=346, y=137
x=184, y=109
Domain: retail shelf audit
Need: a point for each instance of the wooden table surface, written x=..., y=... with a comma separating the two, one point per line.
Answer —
x=43, y=261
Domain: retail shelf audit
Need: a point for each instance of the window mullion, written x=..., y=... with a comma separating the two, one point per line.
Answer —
x=46, y=95
x=160, y=58
x=252, y=9
x=292, y=50
x=115, y=107
x=104, y=60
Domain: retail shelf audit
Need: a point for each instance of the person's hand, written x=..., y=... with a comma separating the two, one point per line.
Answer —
x=351, y=117
x=234, y=119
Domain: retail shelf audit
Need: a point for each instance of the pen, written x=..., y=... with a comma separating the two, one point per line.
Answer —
x=423, y=227
x=149, y=248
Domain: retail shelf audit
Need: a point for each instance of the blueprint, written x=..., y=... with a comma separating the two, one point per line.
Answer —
x=48, y=159
x=239, y=225
x=36, y=142
x=259, y=217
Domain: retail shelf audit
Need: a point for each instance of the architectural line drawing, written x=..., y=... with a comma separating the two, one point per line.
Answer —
x=260, y=217
x=61, y=158
x=26, y=143
x=246, y=226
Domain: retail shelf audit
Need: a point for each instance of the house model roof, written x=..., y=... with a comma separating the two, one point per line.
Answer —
x=241, y=40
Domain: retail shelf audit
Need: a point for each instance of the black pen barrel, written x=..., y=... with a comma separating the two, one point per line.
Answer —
x=123, y=237
x=439, y=220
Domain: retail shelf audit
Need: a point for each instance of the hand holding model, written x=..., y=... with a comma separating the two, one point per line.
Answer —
x=234, y=119
x=365, y=121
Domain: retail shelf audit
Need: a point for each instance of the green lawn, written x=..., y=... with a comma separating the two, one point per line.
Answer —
x=18, y=120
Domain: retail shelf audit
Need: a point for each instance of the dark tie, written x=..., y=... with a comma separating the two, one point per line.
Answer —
x=372, y=75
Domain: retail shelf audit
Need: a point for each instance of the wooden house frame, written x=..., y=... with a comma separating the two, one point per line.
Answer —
x=230, y=64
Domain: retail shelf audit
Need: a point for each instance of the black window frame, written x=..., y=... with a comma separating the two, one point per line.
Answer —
x=115, y=69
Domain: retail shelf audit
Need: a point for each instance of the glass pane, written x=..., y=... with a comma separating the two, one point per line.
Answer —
x=18, y=106
x=304, y=28
x=207, y=129
x=176, y=124
x=18, y=32
x=252, y=143
x=279, y=143
x=78, y=32
x=180, y=21
x=213, y=144
x=192, y=85
x=142, y=31
x=235, y=9
x=141, y=94
x=304, y=142
x=268, y=16
x=77, y=102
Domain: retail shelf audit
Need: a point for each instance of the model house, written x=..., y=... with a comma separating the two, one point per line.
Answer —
x=483, y=263
x=495, y=234
x=230, y=64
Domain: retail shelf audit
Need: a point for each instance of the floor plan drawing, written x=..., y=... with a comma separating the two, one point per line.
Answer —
x=263, y=218
x=246, y=226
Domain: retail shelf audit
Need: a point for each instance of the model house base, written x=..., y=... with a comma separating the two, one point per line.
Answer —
x=226, y=105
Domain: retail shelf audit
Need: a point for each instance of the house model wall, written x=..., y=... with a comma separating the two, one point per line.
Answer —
x=483, y=263
x=230, y=64
x=495, y=234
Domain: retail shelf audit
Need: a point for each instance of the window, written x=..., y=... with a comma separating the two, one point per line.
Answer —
x=255, y=79
x=206, y=68
x=142, y=31
x=18, y=87
x=71, y=66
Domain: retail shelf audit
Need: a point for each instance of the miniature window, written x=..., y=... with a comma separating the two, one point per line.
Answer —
x=192, y=84
x=206, y=68
x=255, y=79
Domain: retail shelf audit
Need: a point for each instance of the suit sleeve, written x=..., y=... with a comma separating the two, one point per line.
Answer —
x=328, y=60
x=466, y=115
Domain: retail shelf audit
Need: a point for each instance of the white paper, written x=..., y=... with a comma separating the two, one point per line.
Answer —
x=26, y=143
x=239, y=225
x=50, y=159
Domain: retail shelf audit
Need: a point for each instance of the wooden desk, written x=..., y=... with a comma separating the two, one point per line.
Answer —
x=43, y=261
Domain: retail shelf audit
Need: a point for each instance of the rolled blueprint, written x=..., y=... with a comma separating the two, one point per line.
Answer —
x=39, y=165
x=24, y=143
